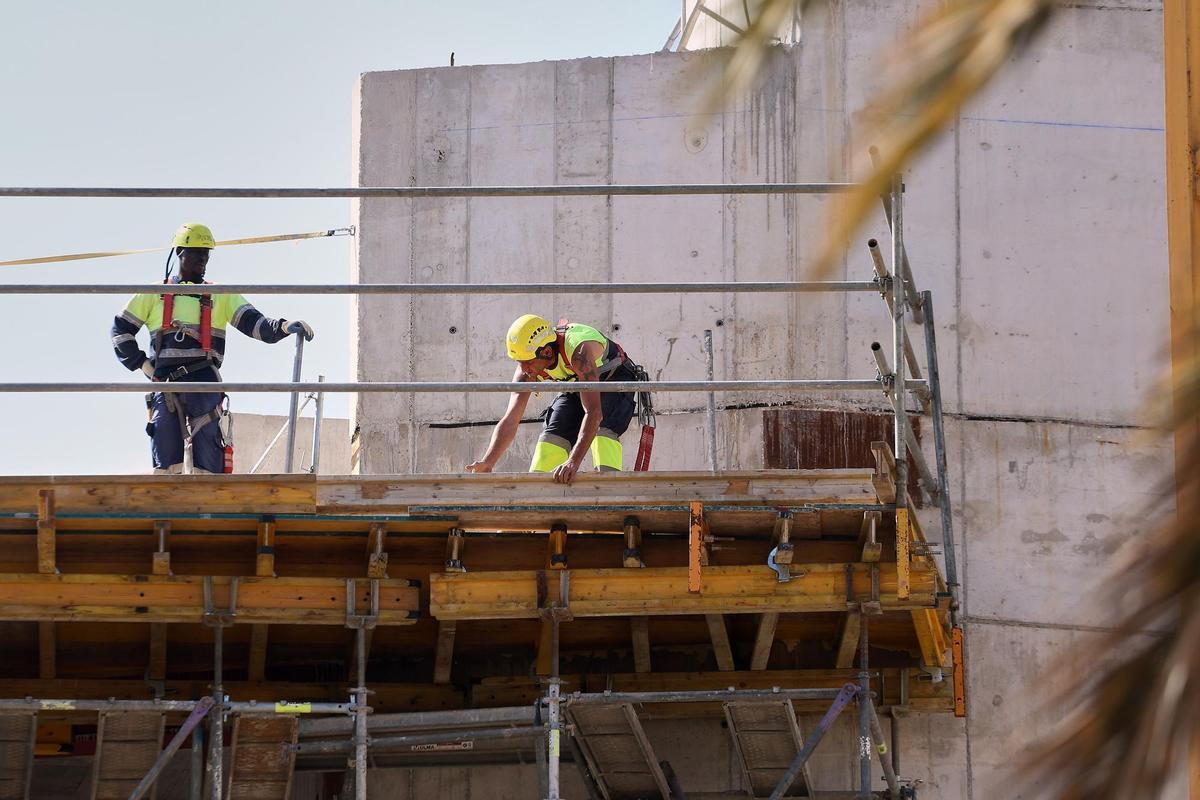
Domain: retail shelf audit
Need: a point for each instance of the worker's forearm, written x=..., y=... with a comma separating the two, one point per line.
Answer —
x=502, y=438
x=587, y=434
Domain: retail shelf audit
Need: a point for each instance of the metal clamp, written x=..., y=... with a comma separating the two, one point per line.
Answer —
x=223, y=618
x=354, y=620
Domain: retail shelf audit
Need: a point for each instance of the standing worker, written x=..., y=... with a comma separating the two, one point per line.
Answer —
x=576, y=422
x=187, y=343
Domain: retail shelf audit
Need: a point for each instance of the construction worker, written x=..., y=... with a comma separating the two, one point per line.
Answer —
x=187, y=343
x=575, y=422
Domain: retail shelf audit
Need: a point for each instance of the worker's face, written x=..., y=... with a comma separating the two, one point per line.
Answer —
x=192, y=263
x=544, y=360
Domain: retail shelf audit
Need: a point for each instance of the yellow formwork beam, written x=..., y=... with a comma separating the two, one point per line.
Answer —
x=664, y=590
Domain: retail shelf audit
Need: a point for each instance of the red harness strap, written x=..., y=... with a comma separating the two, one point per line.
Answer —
x=645, y=445
x=168, y=319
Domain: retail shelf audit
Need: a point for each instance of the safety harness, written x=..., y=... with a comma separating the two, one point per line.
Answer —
x=190, y=426
x=645, y=407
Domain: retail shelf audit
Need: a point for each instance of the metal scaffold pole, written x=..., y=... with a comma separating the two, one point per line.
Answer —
x=553, y=714
x=899, y=304
x=289, y=458
x=215, y=770
x=360, y=717
x=939, y=444
x=864, y=714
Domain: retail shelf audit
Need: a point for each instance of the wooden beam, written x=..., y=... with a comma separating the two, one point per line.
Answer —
x=180, y=598
x=663, y=590
x=764, y=639
x=377, y=557
x=640, y=630
x=556, y=547
x=848, y=633
x=868, y=536
x=158, y=652
x=695, y=546
x=719, y=635
x=47, y=651
x=903, y=555
x=884, y=477
x=46, y=549
x=444, y=658
x=257, y=665
x=931, y=636
x=161, y=495
x=265, y=554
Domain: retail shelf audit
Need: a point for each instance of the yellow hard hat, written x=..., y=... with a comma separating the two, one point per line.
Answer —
x=528, y=333
x=193, y=234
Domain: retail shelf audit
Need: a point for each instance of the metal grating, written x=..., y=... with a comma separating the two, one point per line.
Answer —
x=127, y=745
x=18, y=738
x=767, y=737
x=617, y=752
x=262, y=761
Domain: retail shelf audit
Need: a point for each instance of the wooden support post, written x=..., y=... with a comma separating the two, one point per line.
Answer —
x=764, y=640
x=258, y=653
x=903, y=555
x=46, y=548
x=884, y=478
x=161, y=563
x=545, y=647
x=265, y=560
x=640, y=630
x=960, y=675
x=695, y=546
x=868, y=536
x=556, y=556
x=444, y=658
x=47, y=651
x=848, y=639
x=377, y=557
x=782, y=536
x=719, y=635
x=632, y=555
x=455, y=550
x=158, y=651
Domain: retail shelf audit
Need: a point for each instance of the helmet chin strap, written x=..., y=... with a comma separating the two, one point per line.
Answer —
x=167, y=266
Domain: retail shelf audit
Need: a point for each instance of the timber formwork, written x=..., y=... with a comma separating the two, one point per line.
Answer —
x=424, y=565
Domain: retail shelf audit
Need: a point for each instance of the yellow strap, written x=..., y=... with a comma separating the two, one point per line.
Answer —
x=293, y=708
x=286, y=237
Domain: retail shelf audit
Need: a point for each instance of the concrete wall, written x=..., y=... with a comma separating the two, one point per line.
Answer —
x=253, y=434
x=1037, y=221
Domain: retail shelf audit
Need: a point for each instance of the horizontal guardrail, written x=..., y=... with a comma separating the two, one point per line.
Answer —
x=448, y=288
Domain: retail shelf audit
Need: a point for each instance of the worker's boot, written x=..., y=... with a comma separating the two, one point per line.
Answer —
x=174, y=469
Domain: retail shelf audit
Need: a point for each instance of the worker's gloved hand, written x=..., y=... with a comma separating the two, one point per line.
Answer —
x=148, y=368
x=302, y=328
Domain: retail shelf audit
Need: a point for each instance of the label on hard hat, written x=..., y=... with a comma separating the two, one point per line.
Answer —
x=293, y=708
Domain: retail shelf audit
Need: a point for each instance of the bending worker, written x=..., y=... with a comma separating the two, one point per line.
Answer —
x=187, y=343
x=576, y=422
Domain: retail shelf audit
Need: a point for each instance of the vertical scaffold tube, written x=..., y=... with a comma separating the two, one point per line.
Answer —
x=197, y=776
x=864, y=716
x=899, y=304
x=318, y=416
x=216, y=753
x=553, y=715
x=360, y=717
x=711, y=405
x=289, y=458
x=939, y=444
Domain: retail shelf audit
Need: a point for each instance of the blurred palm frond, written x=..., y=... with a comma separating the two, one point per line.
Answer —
x=1134, y=719
x=945, y=62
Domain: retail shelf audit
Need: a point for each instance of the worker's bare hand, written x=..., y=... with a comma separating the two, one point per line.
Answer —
x=565, y=472
x=479, y=466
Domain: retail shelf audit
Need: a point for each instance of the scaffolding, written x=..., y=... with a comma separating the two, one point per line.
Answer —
x=864, y=588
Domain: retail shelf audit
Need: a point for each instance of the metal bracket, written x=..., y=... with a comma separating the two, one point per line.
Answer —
x=354, y=620
x=560, y=609
x=225, y=617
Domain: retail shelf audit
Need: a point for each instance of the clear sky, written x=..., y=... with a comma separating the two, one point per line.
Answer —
x=220, y=93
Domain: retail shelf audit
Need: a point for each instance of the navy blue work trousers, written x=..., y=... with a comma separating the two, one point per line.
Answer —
x=166, y=440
